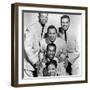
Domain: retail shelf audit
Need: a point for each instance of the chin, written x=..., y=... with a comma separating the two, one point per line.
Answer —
x=51, y=58
x=52, y=40
x=65, y=29
x=44, y=23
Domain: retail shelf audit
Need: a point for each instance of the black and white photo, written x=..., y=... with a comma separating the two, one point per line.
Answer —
x=51, y=44
x=49, y=28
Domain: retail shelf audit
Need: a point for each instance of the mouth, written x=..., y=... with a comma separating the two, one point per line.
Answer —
x=52, y=39
x=65, y=27
x=44, y=21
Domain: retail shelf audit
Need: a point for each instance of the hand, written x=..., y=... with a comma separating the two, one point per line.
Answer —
x=62, y=56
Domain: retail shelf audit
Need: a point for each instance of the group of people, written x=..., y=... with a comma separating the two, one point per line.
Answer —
x=47, y=51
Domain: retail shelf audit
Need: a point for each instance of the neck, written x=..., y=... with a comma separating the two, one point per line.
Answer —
x=52, y=41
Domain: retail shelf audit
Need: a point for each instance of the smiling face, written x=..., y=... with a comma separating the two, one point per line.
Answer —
x=51, y=70
x=51, y=52
x=52, y=34
x=65, y=23
x=43, y=18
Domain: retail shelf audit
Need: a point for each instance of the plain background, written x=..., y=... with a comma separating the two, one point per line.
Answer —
x=5, y=45
x=54, y=19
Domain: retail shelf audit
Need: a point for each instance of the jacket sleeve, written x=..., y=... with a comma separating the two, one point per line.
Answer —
x=31, y=52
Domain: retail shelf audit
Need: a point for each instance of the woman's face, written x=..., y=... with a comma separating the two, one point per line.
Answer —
x=51, y=70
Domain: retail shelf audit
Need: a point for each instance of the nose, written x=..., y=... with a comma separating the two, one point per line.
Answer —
x=51, y=52
x=64, y=24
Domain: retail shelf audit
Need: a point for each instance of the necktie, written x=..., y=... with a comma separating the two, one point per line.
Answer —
x=42, y=32
x=52, y=42
x=65, y=36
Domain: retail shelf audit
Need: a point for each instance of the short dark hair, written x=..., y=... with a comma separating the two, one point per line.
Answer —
x=51, y=44
x=51, y=62
x=65, y=16
x=51, y=27
x=42, y=13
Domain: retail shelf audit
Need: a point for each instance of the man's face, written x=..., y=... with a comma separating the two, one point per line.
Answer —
x=43, y=17
x=65, y=23
x=51, y=70
x=51, y=52
x=52, y=34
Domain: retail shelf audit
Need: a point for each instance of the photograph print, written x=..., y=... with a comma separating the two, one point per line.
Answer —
x=51, y=45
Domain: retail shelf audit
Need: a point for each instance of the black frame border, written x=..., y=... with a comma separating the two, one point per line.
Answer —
x=14, y=43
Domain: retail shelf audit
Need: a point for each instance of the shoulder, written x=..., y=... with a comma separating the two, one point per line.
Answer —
x=58, y=39
x=33, y=27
